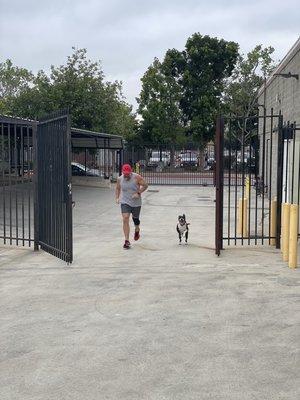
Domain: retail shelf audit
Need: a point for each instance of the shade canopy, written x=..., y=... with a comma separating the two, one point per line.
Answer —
x=82, y=138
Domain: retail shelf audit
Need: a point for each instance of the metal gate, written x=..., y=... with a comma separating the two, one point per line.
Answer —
x=249, y=173
x=17, y=182
x=161, y=165
x=54, y=191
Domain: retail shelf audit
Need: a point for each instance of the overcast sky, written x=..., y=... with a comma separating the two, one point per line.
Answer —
x=127, y=34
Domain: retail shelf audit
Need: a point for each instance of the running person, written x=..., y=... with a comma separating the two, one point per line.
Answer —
x=129, y=188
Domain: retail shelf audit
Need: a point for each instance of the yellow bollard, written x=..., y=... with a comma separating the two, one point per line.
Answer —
x=239, y=222
x=273, y=221
x=247, y=187
x=293, y=247
x=242, y=220
x=281, y=228
x=245, y=221
x=285, y=231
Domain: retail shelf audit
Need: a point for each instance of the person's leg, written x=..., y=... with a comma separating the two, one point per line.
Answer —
x=126, y=210
x=136, y=220
x=126, y=228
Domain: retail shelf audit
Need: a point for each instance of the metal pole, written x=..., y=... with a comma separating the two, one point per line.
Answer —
x=279, y=179
x=219, y=186
x=35, y=184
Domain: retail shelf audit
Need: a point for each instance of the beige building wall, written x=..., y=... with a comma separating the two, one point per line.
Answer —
x=283, y=96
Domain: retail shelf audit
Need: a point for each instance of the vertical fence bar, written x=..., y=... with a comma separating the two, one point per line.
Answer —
x=35, y=187
x=22, y=183
x=69, y=188
x=270, y=169
x=298, y=191
x=286, y=139
x=263, y=176
x=235, y=197
x=10, y=183
x=219, y=184
x=280, y=148
x=16, y=183
x=257, y=176
x=229, y=182
x=243, y=180
x=249, y=189
x=293, y=161
x=29, y=189
x=3, y=159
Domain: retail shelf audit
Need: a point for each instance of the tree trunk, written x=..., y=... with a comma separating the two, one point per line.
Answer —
x=172, y=156
x=201, y=158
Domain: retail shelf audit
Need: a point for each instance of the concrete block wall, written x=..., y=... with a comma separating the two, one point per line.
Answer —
x=283, y=95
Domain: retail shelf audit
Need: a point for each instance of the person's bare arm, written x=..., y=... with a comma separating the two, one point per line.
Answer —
x=118, y=191
x=143, y=185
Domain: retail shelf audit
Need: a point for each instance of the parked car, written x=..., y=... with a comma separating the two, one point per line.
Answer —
x=189, y=159
x=158, y=158
x=80, y=170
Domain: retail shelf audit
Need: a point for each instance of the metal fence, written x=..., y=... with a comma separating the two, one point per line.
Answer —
x=161, y=165
x=16, y=182
x=54, y=186
x=35, y=178
x=291, y=163
x=249, y=173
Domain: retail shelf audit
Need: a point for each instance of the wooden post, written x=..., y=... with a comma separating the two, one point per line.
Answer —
x=293, y=239
x=286, y=231
x=273, y=221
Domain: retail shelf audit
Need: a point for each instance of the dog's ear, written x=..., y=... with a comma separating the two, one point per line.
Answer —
x=183, y=216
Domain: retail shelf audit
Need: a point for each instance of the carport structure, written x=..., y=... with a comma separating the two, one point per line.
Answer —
x=96, y=151
x=36, y=179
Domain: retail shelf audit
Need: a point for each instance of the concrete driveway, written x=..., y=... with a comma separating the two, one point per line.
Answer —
x=158, y=322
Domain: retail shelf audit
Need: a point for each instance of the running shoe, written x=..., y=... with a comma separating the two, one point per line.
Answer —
x=137, y=235
x=126, y=245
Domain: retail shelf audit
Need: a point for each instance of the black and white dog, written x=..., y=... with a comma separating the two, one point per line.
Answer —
x=182, y=228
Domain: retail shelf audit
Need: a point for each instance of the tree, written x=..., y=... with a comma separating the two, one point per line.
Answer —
x=78, y=85
x=202, y=69
x=13, y=82
x=240, y=95
x=159, y=107
x=183, y=93
x=242, y=88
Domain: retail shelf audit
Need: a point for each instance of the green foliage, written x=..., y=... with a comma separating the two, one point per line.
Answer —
x=13, y=82
x=159, y=106
x=240, y=96
x=78, y=85
x=181, y=96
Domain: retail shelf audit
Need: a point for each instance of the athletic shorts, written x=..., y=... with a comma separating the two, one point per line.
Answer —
x=127, y=209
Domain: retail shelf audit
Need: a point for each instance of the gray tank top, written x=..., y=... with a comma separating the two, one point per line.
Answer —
x=128, y=188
